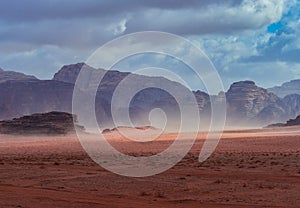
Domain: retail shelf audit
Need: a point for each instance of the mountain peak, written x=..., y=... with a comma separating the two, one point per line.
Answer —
x=238, y=87
x=244, y=83
x=247, y=100
x=69, y=73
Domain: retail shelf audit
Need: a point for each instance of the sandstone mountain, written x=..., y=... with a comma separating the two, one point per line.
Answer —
x=142, y=103
x=247, y=100
x=292, y=87
x=248, y=104
x=25, y=97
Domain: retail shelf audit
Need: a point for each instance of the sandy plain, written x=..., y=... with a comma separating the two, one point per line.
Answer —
x=251, y=168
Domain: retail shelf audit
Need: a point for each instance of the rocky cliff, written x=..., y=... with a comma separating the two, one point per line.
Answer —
x=248, y=103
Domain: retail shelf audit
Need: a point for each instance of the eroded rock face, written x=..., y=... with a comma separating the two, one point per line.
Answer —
x=245, y=99
x=250, y=104
x=292, y=87
x=52, y=123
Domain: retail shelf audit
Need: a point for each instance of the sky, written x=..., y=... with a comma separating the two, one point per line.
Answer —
x=244, y=39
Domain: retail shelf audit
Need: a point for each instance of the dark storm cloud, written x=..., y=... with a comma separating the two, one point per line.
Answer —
x=77, y=23
x=34, y=10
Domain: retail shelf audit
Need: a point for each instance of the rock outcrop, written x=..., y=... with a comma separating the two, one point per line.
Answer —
x=291, y=122
x=52, y=123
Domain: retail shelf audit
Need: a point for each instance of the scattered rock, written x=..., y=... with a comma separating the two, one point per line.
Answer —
x=128, y=128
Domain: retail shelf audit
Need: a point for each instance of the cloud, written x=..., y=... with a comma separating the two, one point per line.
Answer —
x=86, y=24
x=267, y=57
x=32, y=10
x=215, y=18
x=282, y=42
x=42, y=62
x=242, y=37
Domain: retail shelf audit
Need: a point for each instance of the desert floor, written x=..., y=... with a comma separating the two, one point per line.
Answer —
x=248, y=169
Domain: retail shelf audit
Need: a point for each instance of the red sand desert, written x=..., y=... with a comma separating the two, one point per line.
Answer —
x=253, y=168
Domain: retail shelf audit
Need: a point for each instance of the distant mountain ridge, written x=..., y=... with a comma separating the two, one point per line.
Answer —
x=11, y=75
x=248, y=104
x=287, y=88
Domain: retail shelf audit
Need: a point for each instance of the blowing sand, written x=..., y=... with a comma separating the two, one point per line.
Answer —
x=253, y=168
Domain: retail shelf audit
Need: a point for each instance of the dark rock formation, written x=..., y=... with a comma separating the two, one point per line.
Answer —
x=292, y=87
x=53, y=123
x=291, y=122
x=276, y=125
